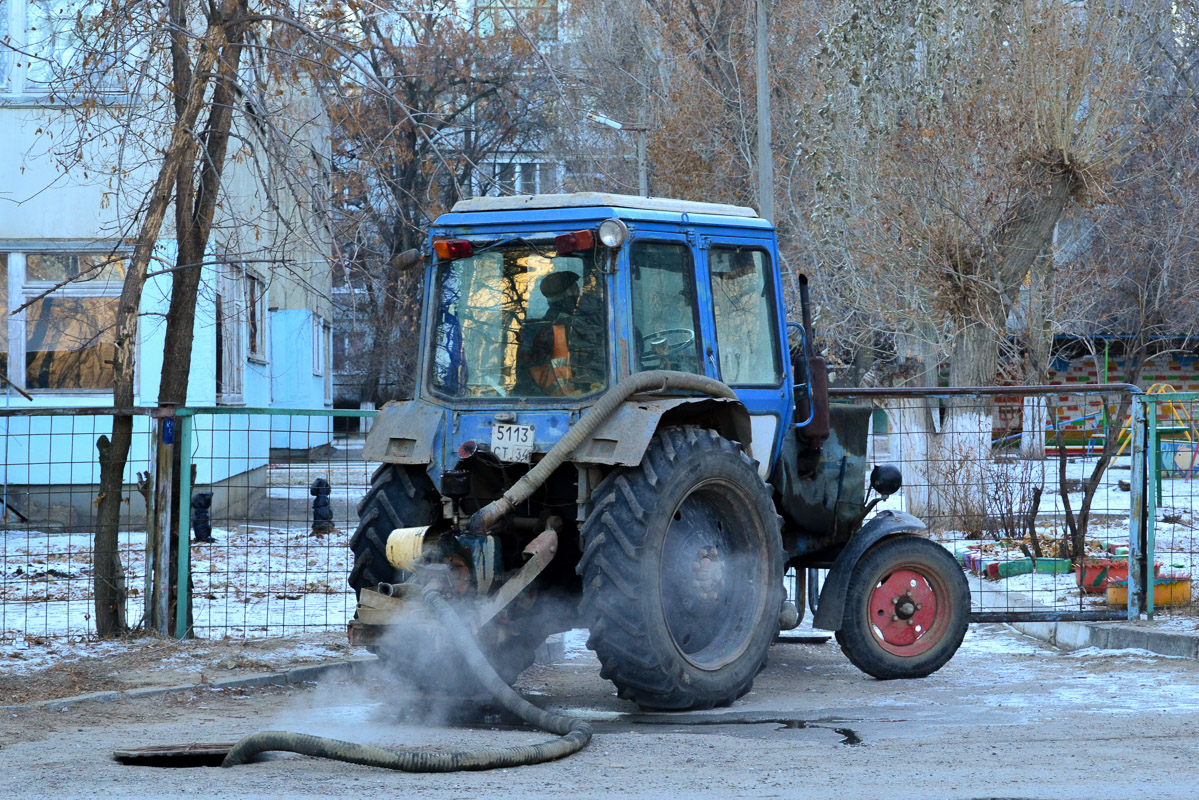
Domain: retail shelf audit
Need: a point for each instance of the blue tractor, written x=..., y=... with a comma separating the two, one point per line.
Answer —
x=615, y=428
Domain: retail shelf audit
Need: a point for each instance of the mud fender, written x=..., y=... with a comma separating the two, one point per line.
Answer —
x=403, y=433
x=831, y=608
x=622, y=438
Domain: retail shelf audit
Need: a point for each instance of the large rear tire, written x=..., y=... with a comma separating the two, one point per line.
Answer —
x=683, y=573
x=907, y=608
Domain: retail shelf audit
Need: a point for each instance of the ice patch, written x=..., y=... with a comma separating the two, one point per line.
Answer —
x=1130, y=653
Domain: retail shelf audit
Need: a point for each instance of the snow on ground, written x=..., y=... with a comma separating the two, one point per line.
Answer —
x=255, y=580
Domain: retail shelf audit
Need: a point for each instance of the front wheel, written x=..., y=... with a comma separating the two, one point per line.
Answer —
x=682, y=573
x=906, y=609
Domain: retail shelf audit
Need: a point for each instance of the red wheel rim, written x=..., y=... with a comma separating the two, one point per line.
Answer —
x=906, y=608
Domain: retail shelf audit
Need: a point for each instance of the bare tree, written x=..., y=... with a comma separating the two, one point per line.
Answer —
x=946, y=145
x=159, y=101
x=432, y=104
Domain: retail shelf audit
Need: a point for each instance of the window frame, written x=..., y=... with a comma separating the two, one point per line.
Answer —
x=772, y=307
x=15, y=82
x=230, y=388
x=327, y=344
x=318, y=344
x=430, y=320
x=256, y=296
x=697, y=309
x=21, y=290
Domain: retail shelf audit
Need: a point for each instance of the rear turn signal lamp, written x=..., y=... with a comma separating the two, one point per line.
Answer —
x=450, y=249
x=568, y=243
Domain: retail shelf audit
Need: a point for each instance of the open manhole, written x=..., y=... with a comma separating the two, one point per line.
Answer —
x=179, y=756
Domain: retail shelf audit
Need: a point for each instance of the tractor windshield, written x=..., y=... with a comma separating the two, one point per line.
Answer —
x=520, y=321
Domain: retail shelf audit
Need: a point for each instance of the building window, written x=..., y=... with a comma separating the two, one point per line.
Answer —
x=547, y=178
x=45, y=53
x=538, y=18
x=63, y=338
x=505, y=178
x=523, y=177
x=256, y=321
x=242, y=330
x=8, y=57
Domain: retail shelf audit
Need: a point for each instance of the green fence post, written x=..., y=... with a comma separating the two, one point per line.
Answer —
x=183, y=599
x=1137, y=503
x=1152, y=499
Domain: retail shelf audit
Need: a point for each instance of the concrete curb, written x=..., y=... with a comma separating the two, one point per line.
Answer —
x=1113, y=636
x=350, y=668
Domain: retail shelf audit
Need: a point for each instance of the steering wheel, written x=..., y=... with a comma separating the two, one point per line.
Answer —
x=668, y=341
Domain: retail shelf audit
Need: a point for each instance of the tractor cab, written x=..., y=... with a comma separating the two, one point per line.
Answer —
x=537, y=305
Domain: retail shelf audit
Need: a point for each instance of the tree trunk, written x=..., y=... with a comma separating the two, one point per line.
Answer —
x=909, y=439
x=109, y=575
x=195, y=206
x=1038, y=345
x=964, y=446
x=1034, y=418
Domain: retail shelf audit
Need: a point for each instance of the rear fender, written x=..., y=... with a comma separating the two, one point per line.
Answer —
x=831, y=607
x=622, y=439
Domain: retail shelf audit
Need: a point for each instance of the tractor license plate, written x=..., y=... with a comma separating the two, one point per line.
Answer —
x=512, y=442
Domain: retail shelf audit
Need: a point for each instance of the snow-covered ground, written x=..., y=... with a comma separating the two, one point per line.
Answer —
x=252, y=581
x=255, y=580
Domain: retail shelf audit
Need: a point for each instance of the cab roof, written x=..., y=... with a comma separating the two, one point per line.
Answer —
x=599, y=199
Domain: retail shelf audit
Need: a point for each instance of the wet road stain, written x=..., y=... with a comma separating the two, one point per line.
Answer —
x=849, y=737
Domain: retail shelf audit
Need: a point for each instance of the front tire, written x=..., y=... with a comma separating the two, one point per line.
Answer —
x=682, y=573
x=398, y=498
x=907, y=608
x=402, y=498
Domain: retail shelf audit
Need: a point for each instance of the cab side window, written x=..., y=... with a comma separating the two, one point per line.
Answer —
x=665, y=310
x=743, y=305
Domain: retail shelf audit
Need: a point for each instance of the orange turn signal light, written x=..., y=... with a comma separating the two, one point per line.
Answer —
x=568, y=243
x=450, y=249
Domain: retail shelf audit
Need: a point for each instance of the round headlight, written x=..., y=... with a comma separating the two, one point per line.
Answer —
x=613, y=233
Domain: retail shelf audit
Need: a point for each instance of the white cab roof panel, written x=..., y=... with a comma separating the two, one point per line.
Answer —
x=585, y=199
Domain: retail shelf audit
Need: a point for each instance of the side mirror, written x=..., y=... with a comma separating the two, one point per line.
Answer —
x=407, y=259
x=886, y=479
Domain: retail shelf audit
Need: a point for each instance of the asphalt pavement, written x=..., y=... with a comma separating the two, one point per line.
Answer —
x=1008, y=717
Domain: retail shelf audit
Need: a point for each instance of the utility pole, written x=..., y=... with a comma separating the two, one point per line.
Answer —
x=642, y=171
x=765, y=160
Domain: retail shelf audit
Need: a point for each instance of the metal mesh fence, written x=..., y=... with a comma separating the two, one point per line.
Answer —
x=48, y=492
x=1034, y=490
x=1172, y=500
x=273, y=503
x=1030, y=488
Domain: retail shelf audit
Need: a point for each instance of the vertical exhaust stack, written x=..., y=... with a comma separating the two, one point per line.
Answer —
x=816, y=431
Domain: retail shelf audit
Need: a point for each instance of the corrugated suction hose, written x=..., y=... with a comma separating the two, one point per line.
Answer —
x=573, y=733
x=658, y=380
